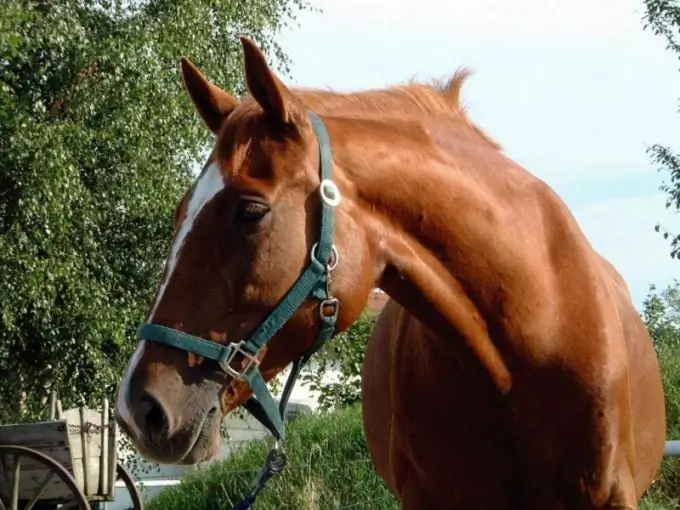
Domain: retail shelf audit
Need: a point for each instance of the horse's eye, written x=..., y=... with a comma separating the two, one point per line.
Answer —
x=249, y=211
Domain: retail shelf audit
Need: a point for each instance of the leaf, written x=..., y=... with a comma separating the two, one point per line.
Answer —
x=662, y=17
x=97, y=144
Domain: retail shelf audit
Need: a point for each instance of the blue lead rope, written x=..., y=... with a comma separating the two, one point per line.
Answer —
x=314, y=282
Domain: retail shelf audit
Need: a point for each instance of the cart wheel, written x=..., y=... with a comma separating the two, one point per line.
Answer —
x=123, y=475
x=11, y=459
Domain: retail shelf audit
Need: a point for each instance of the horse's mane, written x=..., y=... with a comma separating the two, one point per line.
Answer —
x=401, y=101
x=412, y=101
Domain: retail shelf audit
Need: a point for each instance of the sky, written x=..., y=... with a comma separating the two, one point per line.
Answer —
x=573, y=91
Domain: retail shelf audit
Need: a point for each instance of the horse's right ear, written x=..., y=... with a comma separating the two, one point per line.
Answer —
x=212, y=103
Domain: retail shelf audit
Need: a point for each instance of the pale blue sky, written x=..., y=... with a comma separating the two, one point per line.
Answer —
x=574, y=91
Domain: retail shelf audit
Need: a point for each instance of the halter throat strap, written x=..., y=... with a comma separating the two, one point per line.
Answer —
x=314, y=283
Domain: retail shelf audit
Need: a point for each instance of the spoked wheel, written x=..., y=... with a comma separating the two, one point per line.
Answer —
x=29, y=476
x=123, y=475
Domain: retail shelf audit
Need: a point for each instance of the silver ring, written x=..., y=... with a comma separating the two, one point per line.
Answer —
x=329, y=192
x=334, y=260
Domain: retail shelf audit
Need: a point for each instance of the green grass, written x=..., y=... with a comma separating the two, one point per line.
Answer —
x=330, y=469
x=665, y=492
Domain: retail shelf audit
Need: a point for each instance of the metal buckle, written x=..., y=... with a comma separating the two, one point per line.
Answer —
x=328, y=302
x=250, y=361
x=277, y=459
x=332, y=264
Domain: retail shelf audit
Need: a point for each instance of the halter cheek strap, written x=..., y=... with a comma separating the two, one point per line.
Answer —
x=315, y=283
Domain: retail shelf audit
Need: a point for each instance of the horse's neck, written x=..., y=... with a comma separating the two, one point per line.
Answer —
x=435, y=231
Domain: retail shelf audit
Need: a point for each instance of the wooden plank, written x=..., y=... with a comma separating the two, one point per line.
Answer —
x=86, y=451
x=4, y=480
x=32, y=479
x=41, y=490
x=78, y=474
x=103, y=457
x=35, y=435
x=16, y=481
x=112, y=459
x=61, y=456
x=50, y=438
x=53, y=405
x=85, y=431
x=84, y=441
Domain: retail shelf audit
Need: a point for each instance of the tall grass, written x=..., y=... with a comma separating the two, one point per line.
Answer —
x=330, y=469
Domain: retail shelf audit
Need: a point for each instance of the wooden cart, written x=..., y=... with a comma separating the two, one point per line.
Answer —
x=67, y=462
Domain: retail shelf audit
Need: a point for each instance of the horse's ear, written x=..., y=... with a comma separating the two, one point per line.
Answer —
x=212, y=103
x=270, y=92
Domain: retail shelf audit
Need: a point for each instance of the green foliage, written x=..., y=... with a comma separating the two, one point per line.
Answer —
x=329, y=469
x=97, y=143
x=345, y=353
x=661, y=313
x=662, y=17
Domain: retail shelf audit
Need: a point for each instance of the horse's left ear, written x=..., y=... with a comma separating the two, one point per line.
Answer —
x=212, y=103
x=265, y=87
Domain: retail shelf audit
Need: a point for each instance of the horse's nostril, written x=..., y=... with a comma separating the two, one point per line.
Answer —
x=153, y=419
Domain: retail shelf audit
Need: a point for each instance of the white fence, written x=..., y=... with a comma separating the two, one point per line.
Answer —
x=672, y=449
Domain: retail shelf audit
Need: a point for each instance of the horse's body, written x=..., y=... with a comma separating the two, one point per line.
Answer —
x=457, y=445
x=534, y=385
x=565, y=410
x=575, y=417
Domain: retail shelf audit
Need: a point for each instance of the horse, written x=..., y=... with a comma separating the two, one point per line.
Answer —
x=509, y=368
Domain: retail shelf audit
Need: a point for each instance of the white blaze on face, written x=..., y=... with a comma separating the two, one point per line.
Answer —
x=206, y=187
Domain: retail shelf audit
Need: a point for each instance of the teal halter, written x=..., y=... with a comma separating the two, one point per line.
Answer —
x=314, y=282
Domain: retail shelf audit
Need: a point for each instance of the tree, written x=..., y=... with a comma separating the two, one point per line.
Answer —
x=662, y=17
x=661, y=314
x=344, y=354
x=97, y=143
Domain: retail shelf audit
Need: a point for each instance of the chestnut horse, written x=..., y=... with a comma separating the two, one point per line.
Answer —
x=511, y=371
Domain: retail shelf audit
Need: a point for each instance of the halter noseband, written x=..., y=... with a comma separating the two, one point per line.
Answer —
x=314, y=282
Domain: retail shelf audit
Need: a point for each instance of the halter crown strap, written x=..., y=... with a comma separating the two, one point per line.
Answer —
x=313, y=282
